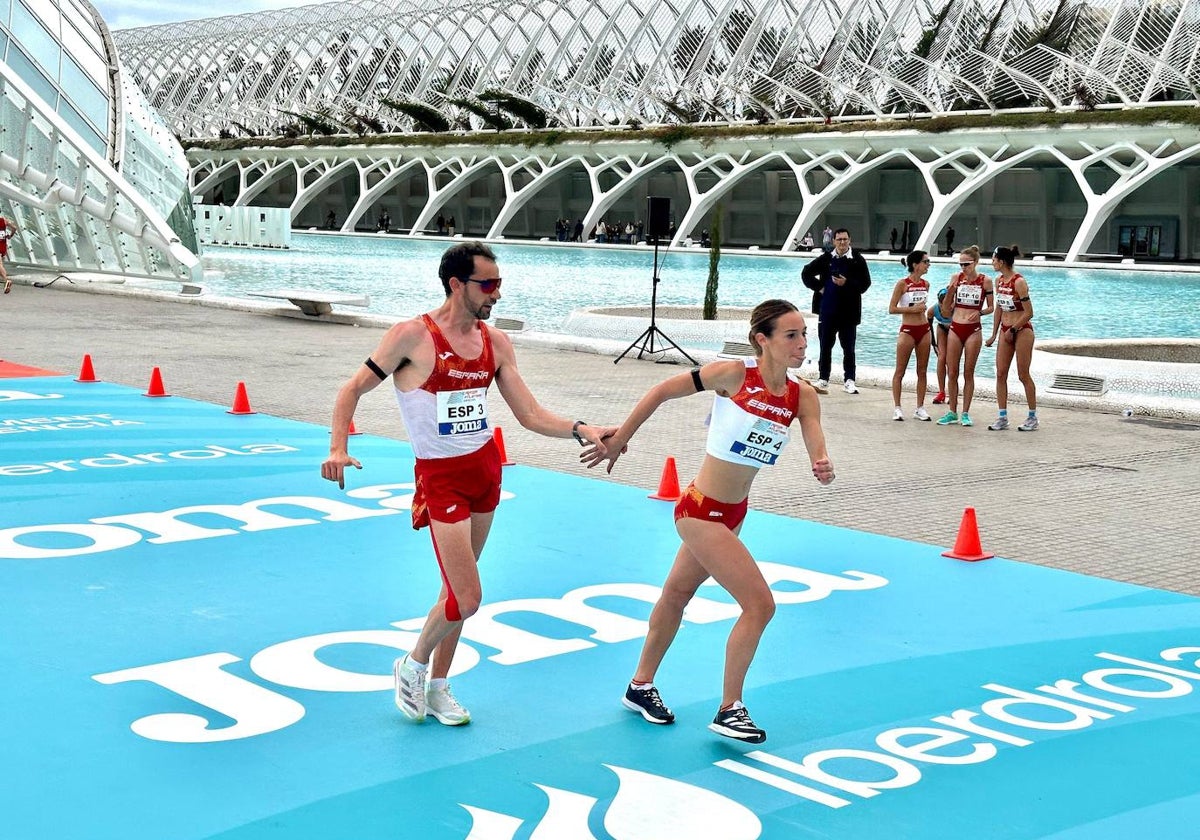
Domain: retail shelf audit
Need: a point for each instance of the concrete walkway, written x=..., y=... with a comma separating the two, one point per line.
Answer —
x=1092, y=493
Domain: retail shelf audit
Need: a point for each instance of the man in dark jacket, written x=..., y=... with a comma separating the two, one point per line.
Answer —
x=838, y=279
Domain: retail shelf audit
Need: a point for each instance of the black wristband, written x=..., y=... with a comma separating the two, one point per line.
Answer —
x=575, y=432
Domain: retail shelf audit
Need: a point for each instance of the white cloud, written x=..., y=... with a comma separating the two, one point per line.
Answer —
x=126, y=14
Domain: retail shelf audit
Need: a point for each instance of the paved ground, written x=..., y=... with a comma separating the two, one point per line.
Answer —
x=1092, y=493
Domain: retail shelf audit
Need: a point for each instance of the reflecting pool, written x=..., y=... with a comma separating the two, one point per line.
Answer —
x=544, y=283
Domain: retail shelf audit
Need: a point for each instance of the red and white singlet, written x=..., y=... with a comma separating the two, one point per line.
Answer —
x=917, y=291
x=1006, y=294
x=447, y=415
x=969, y=293
x=751, y=427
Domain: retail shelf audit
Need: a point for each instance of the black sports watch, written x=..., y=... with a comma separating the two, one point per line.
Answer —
x=575, y=432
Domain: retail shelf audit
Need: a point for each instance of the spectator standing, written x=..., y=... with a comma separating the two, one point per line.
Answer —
x=1013, y=320
x=909, y=297
x=949, y=239
x=7, y=231
x=941, y=331
x=838, y=278
x=827, y=239
x=968, y=299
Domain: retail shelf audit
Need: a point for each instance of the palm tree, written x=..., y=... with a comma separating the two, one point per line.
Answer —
x=425, y=117
x=532, y=114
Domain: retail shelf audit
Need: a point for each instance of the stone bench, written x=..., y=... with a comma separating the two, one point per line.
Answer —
x=314, y=301
x=509, y=324
x=736, y=348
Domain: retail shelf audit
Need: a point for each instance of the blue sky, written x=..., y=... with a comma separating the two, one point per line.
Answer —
x=123, y=14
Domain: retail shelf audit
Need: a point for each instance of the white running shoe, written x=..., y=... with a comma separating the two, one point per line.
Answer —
x=897, y=414
x=1000, y=425
x=410, y=689
x=1030, y=425
x=921, y=413
x=821, y=386
x=443, y=705
x=850, y=387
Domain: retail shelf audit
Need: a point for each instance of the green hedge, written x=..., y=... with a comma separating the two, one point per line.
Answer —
x=669, y=136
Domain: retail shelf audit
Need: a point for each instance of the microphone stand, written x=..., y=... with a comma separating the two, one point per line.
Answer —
x=645, y=341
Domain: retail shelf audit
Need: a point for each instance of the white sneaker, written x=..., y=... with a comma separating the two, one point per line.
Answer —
x=921, y=413
x=849, y=387
x=897, y=414
x=410, y=689
x=821, y=386
x=443, y=705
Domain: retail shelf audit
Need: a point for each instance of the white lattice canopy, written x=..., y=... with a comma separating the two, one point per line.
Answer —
x=627, y=62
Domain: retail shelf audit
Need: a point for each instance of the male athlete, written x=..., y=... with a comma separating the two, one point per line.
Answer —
x=441, y=365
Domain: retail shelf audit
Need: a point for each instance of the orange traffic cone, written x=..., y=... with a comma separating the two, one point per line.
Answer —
x=967, y=546
x=156, y=385
x=353, y=431
x=241, y=402
x=86, y=374
x=668, y=485
x=498, y=436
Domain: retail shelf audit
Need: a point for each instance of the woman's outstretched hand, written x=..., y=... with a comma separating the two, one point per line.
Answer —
x=610, y=449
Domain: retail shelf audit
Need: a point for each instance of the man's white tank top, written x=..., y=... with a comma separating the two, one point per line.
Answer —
x=751, y=427
x=447, y=415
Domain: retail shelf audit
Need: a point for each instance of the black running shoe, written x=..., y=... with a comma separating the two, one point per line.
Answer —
x=735, y=723
x=647, y=703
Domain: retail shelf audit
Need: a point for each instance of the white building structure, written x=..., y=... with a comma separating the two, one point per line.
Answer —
x=478, y=65
x=91, y=175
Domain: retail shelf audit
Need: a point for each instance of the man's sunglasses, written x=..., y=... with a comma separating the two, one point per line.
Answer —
x=486, y=286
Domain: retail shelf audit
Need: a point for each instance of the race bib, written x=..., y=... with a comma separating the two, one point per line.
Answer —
x=968, y=295
x=762, y=442
x=1006, y=301
x=461, y=412
x=919, y=296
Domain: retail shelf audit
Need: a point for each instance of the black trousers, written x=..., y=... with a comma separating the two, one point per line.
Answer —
x=844, y=334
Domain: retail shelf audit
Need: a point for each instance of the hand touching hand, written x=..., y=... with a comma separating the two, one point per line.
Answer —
x=609, y=449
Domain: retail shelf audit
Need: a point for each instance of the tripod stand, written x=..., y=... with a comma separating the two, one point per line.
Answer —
x=645, y=341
